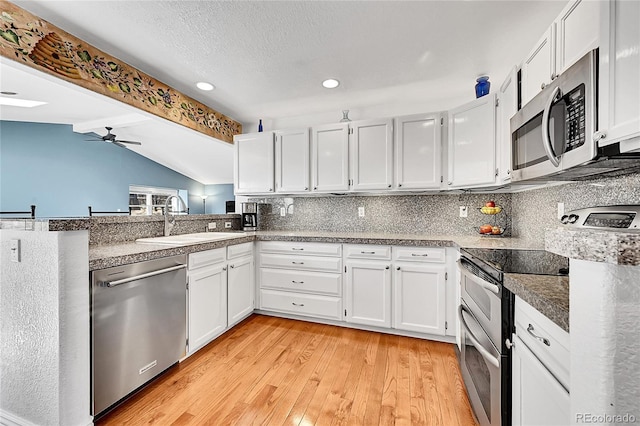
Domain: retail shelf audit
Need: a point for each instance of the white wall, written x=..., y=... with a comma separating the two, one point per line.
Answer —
x=44, y=329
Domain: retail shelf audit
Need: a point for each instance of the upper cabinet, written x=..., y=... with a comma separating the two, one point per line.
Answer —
x=568, y=38
x=330, y=158
x=418, y=154
x=292, y=161
x=254, y=165
x=371, y=154
x=507, y=106
x=619, y=84
x=472, y=144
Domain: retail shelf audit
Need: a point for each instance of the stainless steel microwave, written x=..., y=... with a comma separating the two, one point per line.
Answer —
x=552, y=136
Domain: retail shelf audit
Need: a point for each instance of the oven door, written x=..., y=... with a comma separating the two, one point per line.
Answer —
x=483, y=298
x=481, y=364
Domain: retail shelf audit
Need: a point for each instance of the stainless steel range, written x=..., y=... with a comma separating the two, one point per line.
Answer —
x=486, y=319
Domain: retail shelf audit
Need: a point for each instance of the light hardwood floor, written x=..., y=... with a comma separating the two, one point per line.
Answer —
x=276, y=371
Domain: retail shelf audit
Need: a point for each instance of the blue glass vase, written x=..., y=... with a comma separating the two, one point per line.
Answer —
x=482, y=86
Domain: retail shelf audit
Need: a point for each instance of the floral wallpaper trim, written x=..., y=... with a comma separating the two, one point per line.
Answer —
x=28, y=39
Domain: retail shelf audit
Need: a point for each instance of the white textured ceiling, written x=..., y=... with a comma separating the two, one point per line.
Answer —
x=268, y=58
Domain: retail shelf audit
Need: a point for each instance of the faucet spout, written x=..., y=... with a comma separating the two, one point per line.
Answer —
x=169, y=218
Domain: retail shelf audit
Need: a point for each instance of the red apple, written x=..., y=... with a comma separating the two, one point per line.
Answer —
x=485, y=229
x=496, y=230
x=490, y=204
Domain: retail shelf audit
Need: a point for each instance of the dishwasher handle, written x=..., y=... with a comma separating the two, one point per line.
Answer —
x=142, y=276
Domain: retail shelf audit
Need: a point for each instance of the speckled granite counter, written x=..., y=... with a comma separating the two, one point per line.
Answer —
x=548, y=294
x=615, y=247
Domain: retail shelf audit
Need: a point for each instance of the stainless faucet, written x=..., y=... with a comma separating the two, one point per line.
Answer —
x=170, y=219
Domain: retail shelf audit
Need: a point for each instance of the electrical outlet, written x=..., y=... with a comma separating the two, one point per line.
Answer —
x=464, y=211
x=227, y=225
x=15, y=250
x=283, y=211
x=360, y=211
x=560, y=210
x=212, y=225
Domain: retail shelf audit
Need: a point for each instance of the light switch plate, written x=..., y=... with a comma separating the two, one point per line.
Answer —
x=227, y=225
x=464, y=211
x=212, y=225
x=14, y=245
x=360, y=211
x=560, y=210
x=283, y=211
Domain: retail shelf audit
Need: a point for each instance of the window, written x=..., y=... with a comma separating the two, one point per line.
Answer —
x=146, y=200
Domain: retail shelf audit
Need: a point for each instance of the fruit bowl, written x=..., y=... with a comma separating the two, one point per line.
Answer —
x=493, y=233
x=490, y=210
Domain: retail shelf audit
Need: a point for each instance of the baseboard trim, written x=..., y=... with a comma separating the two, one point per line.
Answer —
x=10, y=419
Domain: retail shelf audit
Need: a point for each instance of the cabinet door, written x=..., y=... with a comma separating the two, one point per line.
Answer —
x=207, y=304
x=576, y=34
x=254, y=165
x=368, y=293
x=240, y=289
x=472, y=144
x=330, y=158
x=538, y=398
x=419, y=302
x=619, y=110
x=292, y=160
x=371, y=154
x=507, y=107
x=419, y=151
x=538, y=68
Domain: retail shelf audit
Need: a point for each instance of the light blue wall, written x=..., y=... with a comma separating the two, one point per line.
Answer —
x=57, y=170
x=218, y=195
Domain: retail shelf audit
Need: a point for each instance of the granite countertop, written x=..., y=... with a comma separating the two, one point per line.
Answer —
x=548, y=294
x=614, y=247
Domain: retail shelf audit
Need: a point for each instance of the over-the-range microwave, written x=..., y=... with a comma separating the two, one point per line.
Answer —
x=552, y=136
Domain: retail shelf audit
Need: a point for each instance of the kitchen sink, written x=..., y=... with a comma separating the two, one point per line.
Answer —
x=188, y=239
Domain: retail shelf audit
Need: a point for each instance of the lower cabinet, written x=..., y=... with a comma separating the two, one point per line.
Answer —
x=240, y=289
x=368, y=293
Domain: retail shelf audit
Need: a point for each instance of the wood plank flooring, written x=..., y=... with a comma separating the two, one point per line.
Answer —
x=274, y=371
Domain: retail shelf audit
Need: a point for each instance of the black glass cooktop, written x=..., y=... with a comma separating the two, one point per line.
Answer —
x=539, y=262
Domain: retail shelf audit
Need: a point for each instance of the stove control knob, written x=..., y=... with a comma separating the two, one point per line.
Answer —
x=573, y=218
x=564, y=219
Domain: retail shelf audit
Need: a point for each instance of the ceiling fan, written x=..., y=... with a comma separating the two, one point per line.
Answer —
x=110, y=137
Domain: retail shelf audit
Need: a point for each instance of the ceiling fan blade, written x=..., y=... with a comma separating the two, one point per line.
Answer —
x=118, y=143
x=131, y=142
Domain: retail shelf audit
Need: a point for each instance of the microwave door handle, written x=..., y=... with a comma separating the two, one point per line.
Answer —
x=546, y=138
x=485, y=353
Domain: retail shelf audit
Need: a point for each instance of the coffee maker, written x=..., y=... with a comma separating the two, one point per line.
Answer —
x=249, y=216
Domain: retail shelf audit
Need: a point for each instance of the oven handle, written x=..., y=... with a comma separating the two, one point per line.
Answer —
x=476, y=279
x=485, y=353
x=546, y=138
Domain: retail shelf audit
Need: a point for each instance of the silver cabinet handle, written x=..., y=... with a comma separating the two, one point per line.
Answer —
x=298, y=263
x=599, y=135
x=232, y=266
x=399, y=185
x=297, y=282
x=224, y=268
x=368, y=252
x=416, y=255
x=542, y=86
x=387, y=267
x=535, y=336
x=294, y=248
x=306, y=188
x=297, y=304
x=397, y=268
x=546, y=138
x=142, y=276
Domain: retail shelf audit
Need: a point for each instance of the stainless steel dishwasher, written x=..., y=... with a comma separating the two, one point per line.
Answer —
x=138, y=326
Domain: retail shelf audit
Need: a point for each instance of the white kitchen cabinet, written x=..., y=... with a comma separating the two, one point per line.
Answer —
x=418, y=151
x=292, y=161
x=207, y=303
x=569, y=38
x=330, y=158
x=619, y=81
x=368, y=292
x=254, y=163
x=507, y=107
x=240, y=289
x=472, y=144
x=419, y=300
x=371, y=154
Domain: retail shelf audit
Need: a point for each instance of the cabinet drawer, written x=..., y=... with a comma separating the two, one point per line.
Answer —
x=301, y=304
x=419, y=254
x=554, y=355
x=239, y=250
x=366, y=251
x=307, y=263
x=319, y=249
x=304, y=281
x=202, y=258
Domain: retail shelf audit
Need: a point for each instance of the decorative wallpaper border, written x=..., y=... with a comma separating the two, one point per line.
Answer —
x=30, y=40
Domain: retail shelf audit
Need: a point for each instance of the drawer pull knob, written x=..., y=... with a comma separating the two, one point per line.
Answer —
x=397, y=268
x=295, y=248
x=416, y=255
x=542, y=339
x=368, y=252
x=297, y=282
x=297, y=304
x=298, y=263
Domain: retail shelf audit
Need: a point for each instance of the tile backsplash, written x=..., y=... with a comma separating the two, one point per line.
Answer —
x=526, y=214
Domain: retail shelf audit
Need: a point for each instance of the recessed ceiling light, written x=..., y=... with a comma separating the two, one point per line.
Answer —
x=331, y=83
x=24, y=103
x=203, y=85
